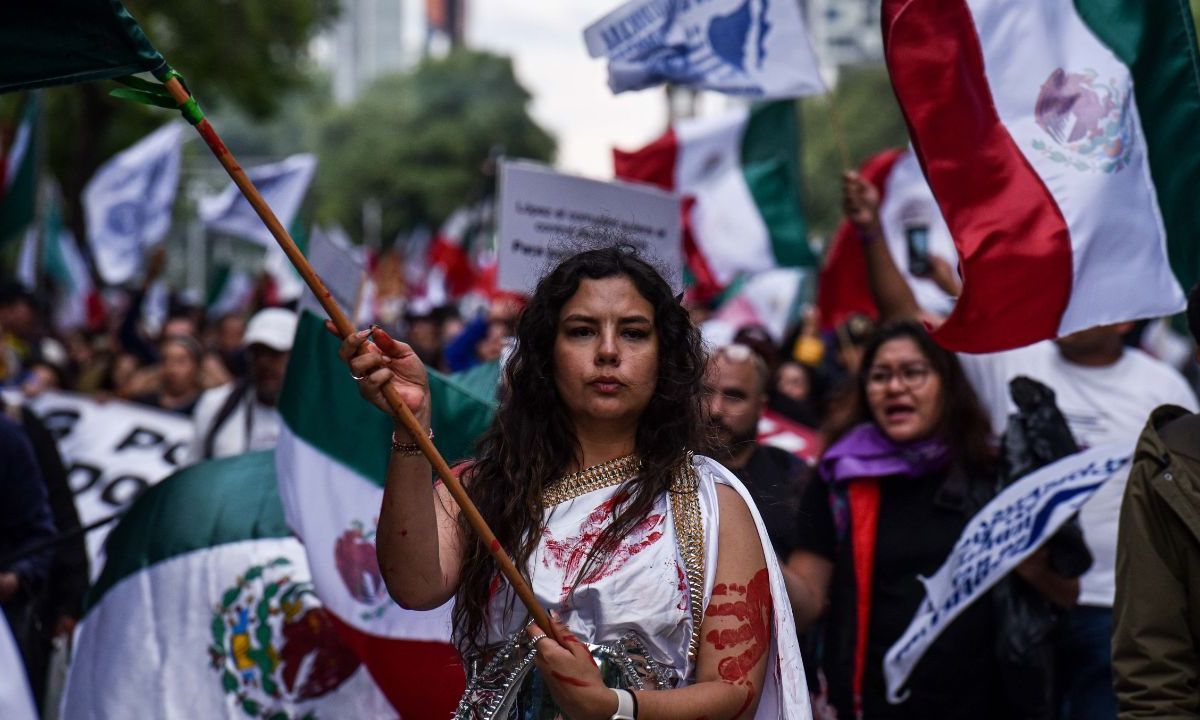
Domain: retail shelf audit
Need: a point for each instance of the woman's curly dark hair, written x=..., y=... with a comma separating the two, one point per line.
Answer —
x=531, y=442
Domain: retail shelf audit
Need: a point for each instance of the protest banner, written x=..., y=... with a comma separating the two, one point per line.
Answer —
x=1001, y=535
x=546, y=216
x=112, y=451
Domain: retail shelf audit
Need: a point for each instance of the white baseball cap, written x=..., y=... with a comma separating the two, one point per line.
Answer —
x=273, y=327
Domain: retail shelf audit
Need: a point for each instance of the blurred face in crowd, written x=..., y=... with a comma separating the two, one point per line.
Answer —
x=230, y=332
x=79, y=349
x=179, y=326
x=423, y=333
x=452, y=326
x=606, y=352
x=903, y=391
x=492, y=345
x=734, y=398
x=1101, y=345
x=267, y=367
x=19, y=318
x=180, y=369
x=793, y=382
x=123, y=369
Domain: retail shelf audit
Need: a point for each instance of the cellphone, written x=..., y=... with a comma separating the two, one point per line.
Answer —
x=917, y=239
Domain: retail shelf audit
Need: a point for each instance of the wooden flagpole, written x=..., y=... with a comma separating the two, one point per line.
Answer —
x=346, y=328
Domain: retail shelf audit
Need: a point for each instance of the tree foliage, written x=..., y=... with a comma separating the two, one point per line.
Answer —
x=866, y=110
x=419, y=143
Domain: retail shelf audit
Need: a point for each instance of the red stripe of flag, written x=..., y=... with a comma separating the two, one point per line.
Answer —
x=1012, y=239
x=655, y=164
x=420, y=679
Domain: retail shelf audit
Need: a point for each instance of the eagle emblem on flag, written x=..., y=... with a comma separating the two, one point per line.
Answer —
x=358, y=567
x=274, y=646
x=1089, y=121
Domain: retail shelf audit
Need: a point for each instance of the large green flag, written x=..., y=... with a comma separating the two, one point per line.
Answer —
x=57, y=42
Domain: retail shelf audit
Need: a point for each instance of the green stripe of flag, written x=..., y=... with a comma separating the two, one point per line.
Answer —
x=57, y=42
x=321, y=405
x=211, y=503
x=1157, y=40
x=771, y=165
x=18, y=194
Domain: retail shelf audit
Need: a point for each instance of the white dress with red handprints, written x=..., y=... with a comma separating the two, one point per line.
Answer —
x=643, y=587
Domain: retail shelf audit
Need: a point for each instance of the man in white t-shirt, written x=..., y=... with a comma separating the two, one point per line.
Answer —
x=1106, y=391
x=241, y=416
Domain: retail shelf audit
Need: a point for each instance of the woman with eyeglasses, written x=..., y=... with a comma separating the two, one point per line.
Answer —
x=902, y=476
x=653, y=559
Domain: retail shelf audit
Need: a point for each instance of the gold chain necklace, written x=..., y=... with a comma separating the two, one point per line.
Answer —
x=590, y=479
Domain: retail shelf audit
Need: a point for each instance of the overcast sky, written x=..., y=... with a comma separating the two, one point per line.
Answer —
x=570, y=90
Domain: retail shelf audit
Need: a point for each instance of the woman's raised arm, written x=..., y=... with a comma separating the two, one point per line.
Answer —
x=418, y=541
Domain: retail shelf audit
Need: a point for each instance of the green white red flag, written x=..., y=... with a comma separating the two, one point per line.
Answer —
x=332, y=458
x=455, y=255
x=18, y=171
x=1059, y=137
x=740, y=178
x=206, y=609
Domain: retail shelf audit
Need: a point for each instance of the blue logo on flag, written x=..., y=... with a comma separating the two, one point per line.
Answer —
x=727, y=34
x=125, y=218
x=705, y=43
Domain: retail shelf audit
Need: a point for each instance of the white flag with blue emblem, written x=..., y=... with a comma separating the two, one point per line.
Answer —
x=753, y=48
x=128, y=202
x=281, y=184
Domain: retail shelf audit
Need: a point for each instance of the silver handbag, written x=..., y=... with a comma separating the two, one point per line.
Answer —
x=505, y=685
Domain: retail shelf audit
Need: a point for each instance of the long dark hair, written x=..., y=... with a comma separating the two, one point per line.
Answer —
x=531, y=442
x=963, y=424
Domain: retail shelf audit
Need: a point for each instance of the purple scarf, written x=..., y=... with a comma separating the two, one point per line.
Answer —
x=866, y=452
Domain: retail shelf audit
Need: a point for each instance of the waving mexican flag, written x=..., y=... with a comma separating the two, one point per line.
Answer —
x=332, y=460
x=1060, y=139
x=206, y=609
x=739, y=174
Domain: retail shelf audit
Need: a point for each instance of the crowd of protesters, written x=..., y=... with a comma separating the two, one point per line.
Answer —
x=916, y=439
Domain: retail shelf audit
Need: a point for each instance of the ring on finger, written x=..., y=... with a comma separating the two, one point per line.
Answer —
x=357, y=377
x=534, y=640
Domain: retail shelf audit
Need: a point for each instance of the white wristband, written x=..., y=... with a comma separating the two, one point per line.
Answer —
x=626, y=706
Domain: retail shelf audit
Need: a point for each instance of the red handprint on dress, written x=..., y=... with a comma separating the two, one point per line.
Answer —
x=570, y=554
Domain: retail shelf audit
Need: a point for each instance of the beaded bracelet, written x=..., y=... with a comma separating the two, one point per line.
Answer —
x=410, y=449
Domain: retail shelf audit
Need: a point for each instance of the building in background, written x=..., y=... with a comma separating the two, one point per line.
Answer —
x=366, y=41
x=445, y=21
x=844, y=32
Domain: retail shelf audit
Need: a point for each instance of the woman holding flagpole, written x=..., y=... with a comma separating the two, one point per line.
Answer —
x=650, y=558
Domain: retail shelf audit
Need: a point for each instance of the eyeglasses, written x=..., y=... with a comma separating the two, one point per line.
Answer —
x=912, y=377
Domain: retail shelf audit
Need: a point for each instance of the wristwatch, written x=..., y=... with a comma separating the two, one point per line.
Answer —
x=627, y=708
